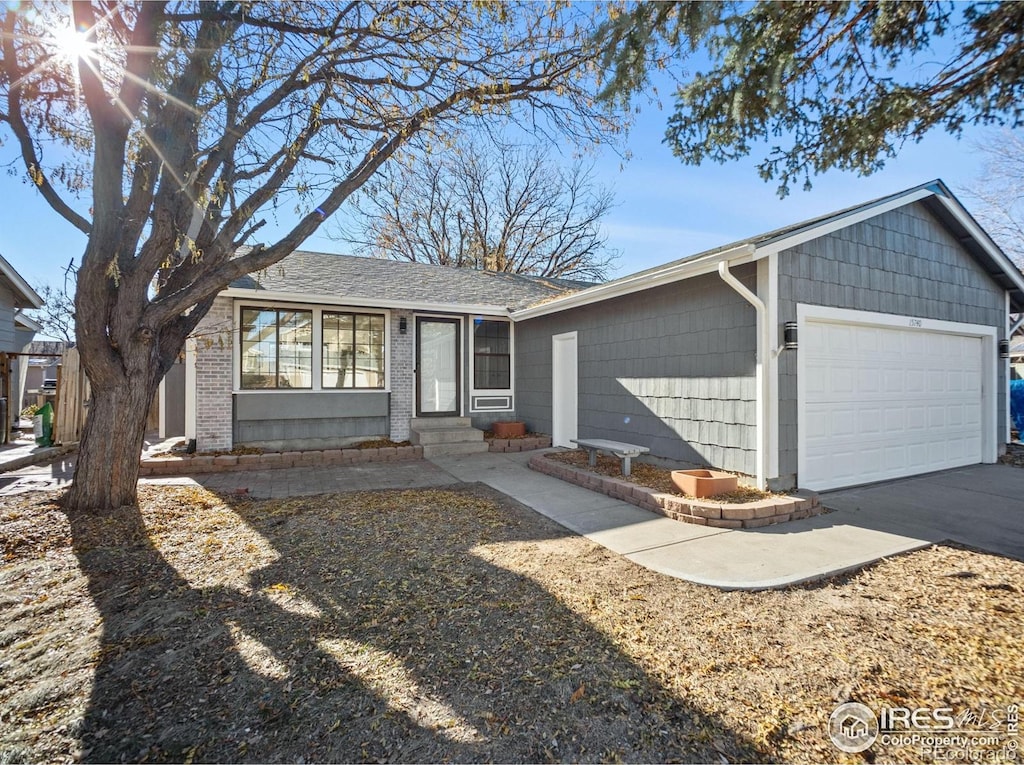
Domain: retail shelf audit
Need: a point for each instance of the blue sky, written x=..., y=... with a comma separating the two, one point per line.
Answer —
x=665, y=210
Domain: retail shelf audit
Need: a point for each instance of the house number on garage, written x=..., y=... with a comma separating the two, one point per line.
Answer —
x=916, y=323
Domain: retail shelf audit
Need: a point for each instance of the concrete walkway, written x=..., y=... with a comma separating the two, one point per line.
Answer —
x=260, y=484
x=747, y=559
x=21, y=451
x=980, y=506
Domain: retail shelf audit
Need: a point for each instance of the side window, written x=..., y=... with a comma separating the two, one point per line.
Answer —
x=492, y=360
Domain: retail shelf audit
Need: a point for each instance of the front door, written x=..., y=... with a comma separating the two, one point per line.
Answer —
x=437, y=367
x=564, y=389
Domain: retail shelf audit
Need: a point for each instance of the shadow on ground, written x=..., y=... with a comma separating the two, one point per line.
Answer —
x=358, y=627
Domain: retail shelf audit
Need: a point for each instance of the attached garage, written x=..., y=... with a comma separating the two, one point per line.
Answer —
x=884, y=396
x=857, y=347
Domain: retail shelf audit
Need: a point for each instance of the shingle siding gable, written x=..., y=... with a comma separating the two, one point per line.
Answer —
x=903, y=262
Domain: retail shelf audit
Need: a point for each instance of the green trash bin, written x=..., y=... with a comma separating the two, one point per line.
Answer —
x=42, y=425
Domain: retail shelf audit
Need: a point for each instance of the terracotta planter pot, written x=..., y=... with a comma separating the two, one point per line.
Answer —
x=703, y=483
x=508, y=429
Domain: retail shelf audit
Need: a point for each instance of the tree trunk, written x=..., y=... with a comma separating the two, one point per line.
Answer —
x=107, y=470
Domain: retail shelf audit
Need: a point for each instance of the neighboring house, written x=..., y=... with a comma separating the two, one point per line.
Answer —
x=25, y=328
x=16, y=332
x=1017, y=358
x=43, y=364
x=895, y=307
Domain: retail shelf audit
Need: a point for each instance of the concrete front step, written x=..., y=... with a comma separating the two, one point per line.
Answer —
x=447, y=450
x=446, y=436
x=443, y=436
x=435, y=423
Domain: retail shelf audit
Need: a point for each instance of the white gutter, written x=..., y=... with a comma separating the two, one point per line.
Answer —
x=643, y=281
x=1011, y=327
x=27, y=322
x=299, y=298
x=760, y=378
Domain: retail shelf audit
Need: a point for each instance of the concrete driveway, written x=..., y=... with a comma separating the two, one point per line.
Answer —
x=981, y=506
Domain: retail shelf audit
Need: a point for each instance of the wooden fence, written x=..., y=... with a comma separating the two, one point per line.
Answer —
x=72, y=396
x=73, y=392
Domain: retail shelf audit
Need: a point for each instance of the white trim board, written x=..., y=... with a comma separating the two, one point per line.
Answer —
x=816, y=231
x=768, y=291
x=316, y=354
x=19, y=283
x=298, y=298
x=27, y=322
x=698, y=266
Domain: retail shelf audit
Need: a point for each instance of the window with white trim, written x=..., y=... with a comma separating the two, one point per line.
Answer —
x=492, y=358
x=352, y=350
x=276, y=348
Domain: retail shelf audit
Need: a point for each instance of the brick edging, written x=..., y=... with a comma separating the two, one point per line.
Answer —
x=744, y=515
x=518, y=444
x=189, y=464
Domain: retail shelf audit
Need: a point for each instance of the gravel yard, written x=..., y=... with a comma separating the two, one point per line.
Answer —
x=455, y=625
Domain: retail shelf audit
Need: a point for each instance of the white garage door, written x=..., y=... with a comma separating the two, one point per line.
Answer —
x=880, y=402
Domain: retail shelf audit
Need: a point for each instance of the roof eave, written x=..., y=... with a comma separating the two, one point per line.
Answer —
x=937, y=196
x=261, y=295
x=627, y=285
x=30, y=297
x=27, y=322
x=983, y=248
x=840, y=221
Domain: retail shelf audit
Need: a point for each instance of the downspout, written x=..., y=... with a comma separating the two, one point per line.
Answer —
x=760, y=377
x=1012, y=327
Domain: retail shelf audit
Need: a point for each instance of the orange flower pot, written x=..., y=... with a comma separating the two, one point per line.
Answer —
x=703, y=483
x=509, y=429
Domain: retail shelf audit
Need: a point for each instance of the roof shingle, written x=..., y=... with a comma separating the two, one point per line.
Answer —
x=375, y=279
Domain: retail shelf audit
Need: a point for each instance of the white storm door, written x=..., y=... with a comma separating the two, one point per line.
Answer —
x=437, y=367
x=564, y=391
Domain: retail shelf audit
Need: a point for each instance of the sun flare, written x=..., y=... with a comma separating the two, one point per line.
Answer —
x=71, y=43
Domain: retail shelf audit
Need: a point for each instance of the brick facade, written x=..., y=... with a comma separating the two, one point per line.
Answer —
x=214, y=342
x=214, y=375
x=402, y=375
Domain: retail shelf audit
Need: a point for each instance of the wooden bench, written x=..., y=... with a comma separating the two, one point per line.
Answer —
x=623, y=451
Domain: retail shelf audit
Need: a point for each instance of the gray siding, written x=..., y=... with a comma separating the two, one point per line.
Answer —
x=174, y=401
x=902, y=262
x=313, y=419
x=671, y=368
x=484, y=420
x=8, y=343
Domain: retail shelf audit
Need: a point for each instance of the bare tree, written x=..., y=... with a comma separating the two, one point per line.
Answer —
x=188, y=123
x=487, y=206
x=1000, y=191
x=57, y=314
